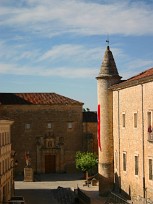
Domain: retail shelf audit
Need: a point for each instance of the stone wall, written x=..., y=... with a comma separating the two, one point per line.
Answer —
x=90, y=143
x=34, y=136
x=6, y=168
x=133, y=141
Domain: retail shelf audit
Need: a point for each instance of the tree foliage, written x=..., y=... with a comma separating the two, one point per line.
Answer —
x=85, y=160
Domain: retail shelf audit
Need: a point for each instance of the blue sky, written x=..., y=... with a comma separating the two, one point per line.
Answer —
x=58, y=45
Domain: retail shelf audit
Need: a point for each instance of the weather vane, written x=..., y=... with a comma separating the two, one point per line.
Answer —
x=107, y=41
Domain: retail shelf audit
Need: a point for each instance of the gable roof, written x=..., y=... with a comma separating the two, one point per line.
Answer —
x=140, y=78
x=36, y=99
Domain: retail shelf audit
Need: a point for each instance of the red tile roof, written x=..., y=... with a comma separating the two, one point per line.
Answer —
x=147, y=73
x=142, y=77
x=35, y=99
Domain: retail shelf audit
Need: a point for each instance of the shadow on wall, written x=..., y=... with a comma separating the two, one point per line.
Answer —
x=117, y=188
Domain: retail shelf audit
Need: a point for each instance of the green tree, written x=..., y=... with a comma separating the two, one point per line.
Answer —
x=85, y=161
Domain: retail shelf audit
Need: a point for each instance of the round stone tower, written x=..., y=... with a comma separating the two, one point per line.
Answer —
x=108, y=76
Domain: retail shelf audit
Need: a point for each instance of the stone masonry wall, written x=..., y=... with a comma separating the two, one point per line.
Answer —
x=38, y=116
x=90, y=144
x=129, y=139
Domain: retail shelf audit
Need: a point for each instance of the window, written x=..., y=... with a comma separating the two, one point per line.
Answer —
x=124, y=161
x=150, y=128
x=136, y=164
x=135, y=117
x=69, y=125
x=123, y=120
x=149, y=119
x=3, y=167
x=27, y=126
x=61, y=140
x=150, y=169
x=9, y=139
x=49, y=125
x=0, y=139
x=116, y=159
x=4, y=138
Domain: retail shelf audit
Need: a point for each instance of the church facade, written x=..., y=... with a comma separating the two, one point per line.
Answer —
x=47, y=127
x=125, y=127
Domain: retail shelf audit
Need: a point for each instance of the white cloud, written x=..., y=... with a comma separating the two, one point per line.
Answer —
x=72, y=52
x=134, y=67
x=74, y=55
x=47, y=72
x=51, y=17
x=16, y=52
x=139, y=63
x=54, y=17
x=70, y=72
x=57, y=52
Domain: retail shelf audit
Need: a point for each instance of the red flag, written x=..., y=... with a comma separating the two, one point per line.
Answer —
x=99, y=143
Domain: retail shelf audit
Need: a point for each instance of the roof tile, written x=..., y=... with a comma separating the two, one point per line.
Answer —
x=35, y=99
x=141, y=75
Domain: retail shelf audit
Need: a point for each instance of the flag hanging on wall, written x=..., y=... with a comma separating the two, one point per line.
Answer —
x=98, y=132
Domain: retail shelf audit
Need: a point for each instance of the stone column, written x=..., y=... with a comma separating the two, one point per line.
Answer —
x=105, y=166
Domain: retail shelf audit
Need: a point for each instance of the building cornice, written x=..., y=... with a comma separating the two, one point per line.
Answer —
x=130, y=83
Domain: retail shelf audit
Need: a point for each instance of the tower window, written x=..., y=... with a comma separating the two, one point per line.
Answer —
x=150, y=169
x=150, y=126
x=149, y=119
x=136, y=164
x=124, y=161
x=149, y=114
x=135, y=117
x=123, y=120
x=116, y=159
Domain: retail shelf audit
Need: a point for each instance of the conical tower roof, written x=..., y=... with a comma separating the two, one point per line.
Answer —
x=108, y=67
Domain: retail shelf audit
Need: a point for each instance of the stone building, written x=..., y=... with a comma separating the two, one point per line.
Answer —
x=133, y=136
x=47, y=127
x=90, y=132
x=126, y=132
x=6, y=168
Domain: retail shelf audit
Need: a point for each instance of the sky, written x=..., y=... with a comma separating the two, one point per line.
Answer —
x=58, y=45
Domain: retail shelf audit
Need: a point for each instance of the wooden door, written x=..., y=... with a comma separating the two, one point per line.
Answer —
x=50, y=163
